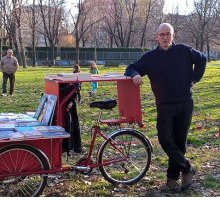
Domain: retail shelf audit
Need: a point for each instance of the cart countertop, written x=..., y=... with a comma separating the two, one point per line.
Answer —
x=82, y=77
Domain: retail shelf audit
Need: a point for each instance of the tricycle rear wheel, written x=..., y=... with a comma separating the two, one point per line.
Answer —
x=17, y=159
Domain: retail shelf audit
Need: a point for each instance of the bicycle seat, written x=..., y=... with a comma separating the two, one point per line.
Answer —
x=107, y=104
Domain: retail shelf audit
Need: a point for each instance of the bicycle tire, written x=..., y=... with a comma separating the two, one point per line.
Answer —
x=133, y=169
x=17, y=159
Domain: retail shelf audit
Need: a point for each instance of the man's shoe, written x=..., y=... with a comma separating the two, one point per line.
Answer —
x=173, y=185
x=4, y=94
x=11, y=95
x=187, y=179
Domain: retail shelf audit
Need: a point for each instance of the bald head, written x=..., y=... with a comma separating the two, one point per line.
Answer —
x=165, y=35
x=9, y=52
x=165, y=26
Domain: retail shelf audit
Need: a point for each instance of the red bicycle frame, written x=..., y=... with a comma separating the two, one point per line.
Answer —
x=97, y=131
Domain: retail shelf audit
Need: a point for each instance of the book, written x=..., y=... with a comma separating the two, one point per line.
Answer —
x=40, y=129
x=16, y=117
x=113, y=74
x=62, y=134
x=40, y=106
x=32, y=114
x=25, y=128
x=16, y=136
x=49, y=110
x=22, y=124
x=55, y=129
x=68, y=75
x=52, y=114
x=42, y=113
x=6, y=114
x=75, y=76
x=26, y=119
x=4, y=119
x=32, y=134
x=5, y=135
x=7, y=126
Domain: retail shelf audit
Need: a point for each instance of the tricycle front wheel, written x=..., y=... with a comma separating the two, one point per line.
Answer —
x=125, y=157
x=17, y=159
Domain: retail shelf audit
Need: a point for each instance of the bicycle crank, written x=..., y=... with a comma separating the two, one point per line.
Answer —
x=81, y=166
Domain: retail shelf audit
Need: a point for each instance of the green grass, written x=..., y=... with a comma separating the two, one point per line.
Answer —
x=204, y=147
x=212, y=182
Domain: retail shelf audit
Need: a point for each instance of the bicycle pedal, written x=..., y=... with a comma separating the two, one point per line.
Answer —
x=82, y=169
x=66, y=166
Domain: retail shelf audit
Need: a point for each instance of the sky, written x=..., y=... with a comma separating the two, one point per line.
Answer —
x=185, y=6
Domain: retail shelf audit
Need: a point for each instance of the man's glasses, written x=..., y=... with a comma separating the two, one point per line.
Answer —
x=164, y=34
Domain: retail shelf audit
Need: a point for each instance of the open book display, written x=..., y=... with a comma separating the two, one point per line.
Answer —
x=43, y=115
x=12, y=120
x=22, y=133
x=34, y=125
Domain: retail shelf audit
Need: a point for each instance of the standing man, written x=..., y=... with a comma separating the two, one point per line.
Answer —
x=8, y=66
x=172, y=70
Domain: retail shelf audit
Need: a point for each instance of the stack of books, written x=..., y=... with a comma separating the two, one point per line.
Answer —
x=16, y=136
x=32, y=134
x=5, y=135
x=7, y=126
x=55, y=132
x=28, y=132
x=72, y=76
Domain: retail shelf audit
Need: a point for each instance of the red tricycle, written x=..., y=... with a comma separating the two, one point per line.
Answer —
x=123, y=157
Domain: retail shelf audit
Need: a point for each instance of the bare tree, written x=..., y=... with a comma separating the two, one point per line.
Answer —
x=145, y=9
x=33, y=28
x=9, y=25
x=123, y=15
x=18, y=9
x=202, y=22
x=51, y=14
x=1, y=30
x=130, y=23
x=83, y=22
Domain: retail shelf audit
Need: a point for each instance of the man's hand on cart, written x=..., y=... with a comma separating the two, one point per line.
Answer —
x=137, y=79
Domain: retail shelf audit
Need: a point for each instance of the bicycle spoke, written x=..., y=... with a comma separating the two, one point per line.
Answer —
x=136, y=162
x=29, y=160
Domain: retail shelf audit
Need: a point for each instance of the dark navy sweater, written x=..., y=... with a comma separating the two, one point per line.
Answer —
x=171, y=72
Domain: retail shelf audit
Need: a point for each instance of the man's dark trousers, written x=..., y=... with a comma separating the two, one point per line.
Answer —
x=11, y=78
x=173, y=122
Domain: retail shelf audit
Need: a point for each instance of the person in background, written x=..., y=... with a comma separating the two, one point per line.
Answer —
x=77, y=86
x=94, y=70
x=173, y=70
x=8, y=66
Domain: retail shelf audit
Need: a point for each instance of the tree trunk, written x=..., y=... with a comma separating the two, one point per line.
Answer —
x=33, y=35
x=1, y=47
x=52, y=56
x=208, y=51
x=33, y=53
x=77, y=53
x=95, y=54
x=15, y=43
x=24, y=63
